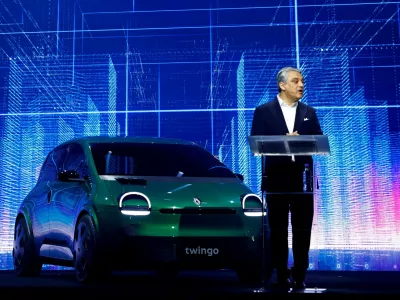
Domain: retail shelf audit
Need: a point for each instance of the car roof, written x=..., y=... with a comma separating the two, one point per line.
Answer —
x=120, y=139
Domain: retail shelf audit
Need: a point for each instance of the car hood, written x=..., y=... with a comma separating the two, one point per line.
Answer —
x=180, y=192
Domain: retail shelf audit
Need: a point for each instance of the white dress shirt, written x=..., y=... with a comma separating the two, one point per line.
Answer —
x=289, y=113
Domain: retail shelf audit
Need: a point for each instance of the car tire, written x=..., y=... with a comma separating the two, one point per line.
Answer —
x=87, y=261
x=27, y=262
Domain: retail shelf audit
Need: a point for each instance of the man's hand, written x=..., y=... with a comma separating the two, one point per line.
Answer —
x=294, y=133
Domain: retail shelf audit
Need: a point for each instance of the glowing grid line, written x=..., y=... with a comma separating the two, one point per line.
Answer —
x=194, y=110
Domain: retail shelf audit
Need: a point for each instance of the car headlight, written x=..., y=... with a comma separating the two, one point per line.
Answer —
x=252, y=205
x=134, y=204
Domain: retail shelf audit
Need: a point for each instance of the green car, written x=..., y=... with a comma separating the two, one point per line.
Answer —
x=102, y=204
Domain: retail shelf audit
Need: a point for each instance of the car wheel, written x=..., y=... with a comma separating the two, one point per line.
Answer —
x=26, y=261
x=87, y=263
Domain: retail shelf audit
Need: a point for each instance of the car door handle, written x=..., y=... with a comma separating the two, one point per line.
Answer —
x=49, y=196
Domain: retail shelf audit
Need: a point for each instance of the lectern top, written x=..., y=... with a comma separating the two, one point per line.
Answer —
x=288, y=145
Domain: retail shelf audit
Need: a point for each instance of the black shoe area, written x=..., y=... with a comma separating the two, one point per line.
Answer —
x=194, y=285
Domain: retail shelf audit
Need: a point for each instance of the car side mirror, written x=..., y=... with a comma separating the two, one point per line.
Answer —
x=240, y=176
x=69, y=175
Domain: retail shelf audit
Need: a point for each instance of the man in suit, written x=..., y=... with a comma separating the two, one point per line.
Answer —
x=285, y=115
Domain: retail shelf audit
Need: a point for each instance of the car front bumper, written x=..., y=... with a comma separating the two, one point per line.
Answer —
x=186, y=241
x=183, y=252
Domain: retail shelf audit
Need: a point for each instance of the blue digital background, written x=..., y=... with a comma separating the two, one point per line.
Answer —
x=195, y=70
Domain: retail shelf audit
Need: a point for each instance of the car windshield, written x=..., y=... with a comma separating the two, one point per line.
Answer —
x=152, y=159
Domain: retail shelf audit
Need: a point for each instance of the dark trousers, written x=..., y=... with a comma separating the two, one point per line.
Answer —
x=301, y=208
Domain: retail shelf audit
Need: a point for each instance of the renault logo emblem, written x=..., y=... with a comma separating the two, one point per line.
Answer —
x=196, y=201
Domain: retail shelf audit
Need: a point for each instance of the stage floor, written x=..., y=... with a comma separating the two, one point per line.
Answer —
x=194, y=285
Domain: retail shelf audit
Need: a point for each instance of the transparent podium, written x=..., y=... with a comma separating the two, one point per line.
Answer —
x=295, y=149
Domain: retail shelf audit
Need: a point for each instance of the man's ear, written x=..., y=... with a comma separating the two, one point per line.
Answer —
x=282, y=86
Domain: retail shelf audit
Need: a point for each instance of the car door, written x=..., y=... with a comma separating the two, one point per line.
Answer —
x=66, y=199
x=40, y=196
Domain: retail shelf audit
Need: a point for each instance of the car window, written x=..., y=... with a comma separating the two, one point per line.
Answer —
x=48, y=171
x=75, y=160
x=51, y=166
x=152, y=159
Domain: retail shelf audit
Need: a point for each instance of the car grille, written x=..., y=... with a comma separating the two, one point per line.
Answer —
x=198, y=211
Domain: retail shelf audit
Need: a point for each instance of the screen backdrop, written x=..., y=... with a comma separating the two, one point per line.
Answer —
x=195, y=70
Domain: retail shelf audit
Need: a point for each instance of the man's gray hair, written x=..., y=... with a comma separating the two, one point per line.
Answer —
x=283, y=75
